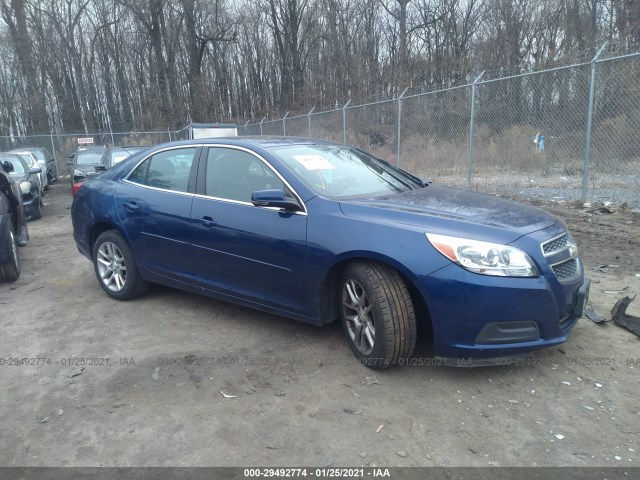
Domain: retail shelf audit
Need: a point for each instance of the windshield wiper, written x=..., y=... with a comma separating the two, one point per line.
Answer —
x=418, y=180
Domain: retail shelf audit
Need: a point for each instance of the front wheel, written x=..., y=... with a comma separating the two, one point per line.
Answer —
x=377, y=314
x=116, y=269
x=10, y=269
x=37, y=212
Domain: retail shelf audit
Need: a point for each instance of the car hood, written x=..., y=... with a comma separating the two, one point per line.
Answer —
x=452, y=211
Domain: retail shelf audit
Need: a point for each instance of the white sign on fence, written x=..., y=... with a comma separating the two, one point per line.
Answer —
x=85, y=141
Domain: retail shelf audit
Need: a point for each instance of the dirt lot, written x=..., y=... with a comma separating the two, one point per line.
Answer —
x=265, y=390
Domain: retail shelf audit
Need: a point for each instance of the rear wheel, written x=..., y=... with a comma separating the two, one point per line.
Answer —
x=116, y=269
x=10, y=270
x=53, y=173
x=377, y=314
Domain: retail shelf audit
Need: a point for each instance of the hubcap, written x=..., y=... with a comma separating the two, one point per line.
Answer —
x=358, y=317
x=111, y=267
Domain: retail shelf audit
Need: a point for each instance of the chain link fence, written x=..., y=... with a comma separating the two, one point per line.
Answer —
x=565, y=134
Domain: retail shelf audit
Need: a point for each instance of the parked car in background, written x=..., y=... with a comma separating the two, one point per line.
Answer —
x=13, y=227
x=46, y=161
x=114, y=155
x=318, y=232
x=83, y=163
x=26, y=177
x=111, y=156
x=32, y=161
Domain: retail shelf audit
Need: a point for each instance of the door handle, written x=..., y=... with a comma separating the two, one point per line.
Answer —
x=131, y=206
x=208, y=222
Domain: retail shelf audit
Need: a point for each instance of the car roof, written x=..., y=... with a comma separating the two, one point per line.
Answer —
x=130, y=147
x=256, y=141
x=22, y=153
x=9, y=154
x=88, y=149
x=31, y=149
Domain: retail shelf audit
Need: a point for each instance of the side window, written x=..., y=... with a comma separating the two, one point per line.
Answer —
x=168, y=170
x=235, y=174
x=139, y=175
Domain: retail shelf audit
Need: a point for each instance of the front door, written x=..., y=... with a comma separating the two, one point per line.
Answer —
x=250, y=252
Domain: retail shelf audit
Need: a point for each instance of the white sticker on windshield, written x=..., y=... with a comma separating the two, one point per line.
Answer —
x=314, y=162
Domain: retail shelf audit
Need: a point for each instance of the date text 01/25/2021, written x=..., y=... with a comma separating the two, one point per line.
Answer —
x=325, y=472
x=17, y=361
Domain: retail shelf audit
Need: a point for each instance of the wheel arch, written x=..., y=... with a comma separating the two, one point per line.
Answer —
x=328, y=309
x=98, y=229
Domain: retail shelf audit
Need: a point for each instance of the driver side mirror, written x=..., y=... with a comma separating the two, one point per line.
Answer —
x=274, y=198
x=7, y=166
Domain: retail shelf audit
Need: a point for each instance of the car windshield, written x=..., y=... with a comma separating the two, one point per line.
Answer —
x=18, y=167
x=88, y=158
x=38, y=153
x=26, y=156
x=117, y=157
x=337, y=171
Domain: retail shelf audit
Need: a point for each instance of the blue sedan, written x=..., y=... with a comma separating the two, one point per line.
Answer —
x=318, y=232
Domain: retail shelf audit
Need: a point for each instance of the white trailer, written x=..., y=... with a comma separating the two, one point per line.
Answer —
x=212, y=130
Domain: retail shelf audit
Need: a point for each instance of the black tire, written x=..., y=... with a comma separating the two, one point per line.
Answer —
x=116, y=268
x=375, y=304
x=37, y=213
x=53, y=173
x=10, y=270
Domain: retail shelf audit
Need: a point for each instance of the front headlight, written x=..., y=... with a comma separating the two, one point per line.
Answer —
x=25, y=187
x=78, y=173
x=484, y=257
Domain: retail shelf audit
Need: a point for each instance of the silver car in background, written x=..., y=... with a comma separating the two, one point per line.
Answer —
x=32, y=161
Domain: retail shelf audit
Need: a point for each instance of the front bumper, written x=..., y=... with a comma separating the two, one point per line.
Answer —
x=31, y=204
x=486, y=320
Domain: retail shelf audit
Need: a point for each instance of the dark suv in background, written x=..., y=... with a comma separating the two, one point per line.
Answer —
x=83, y=162
x=115, y=155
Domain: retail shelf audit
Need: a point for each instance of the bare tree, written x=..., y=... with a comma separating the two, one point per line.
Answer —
x=14, y=13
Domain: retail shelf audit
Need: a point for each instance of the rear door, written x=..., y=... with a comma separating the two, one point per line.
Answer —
x=154, y=204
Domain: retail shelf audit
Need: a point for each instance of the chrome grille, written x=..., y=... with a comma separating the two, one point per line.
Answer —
x=562, y=255
x=556, y=244
x=566, y=270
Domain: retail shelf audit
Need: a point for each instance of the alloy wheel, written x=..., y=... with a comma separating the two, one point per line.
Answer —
x=358, y=316
x=112, y=267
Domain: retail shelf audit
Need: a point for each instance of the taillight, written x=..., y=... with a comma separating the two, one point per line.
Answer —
x=75, y=188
